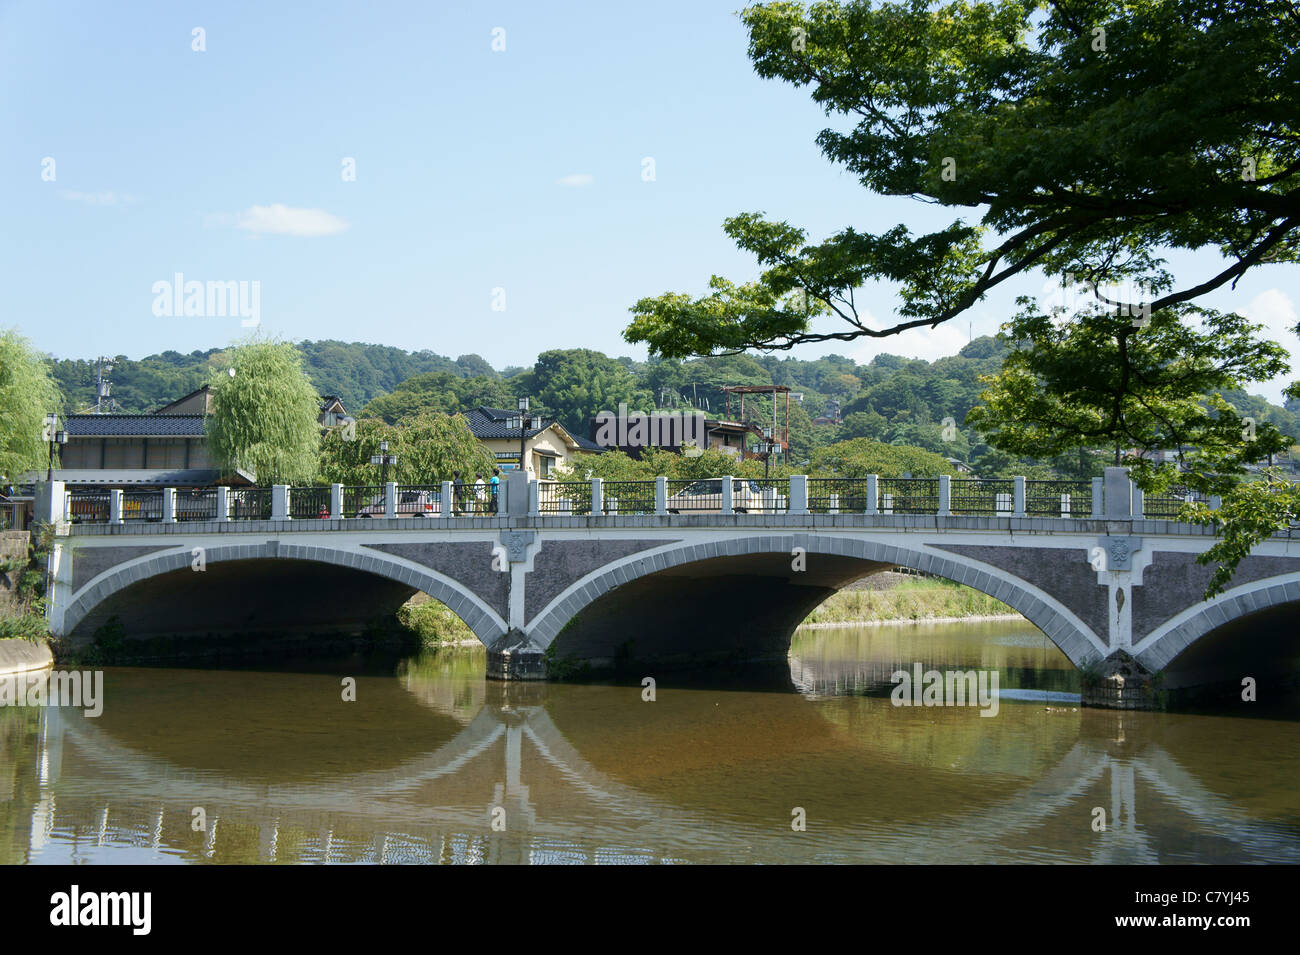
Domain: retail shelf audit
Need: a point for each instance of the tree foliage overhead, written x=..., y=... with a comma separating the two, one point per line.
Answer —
x=265, y=416
x=27, y=395
x=1079, y=138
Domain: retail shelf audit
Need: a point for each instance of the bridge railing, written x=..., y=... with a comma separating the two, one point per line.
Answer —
x=939, y=496
x=1165, y=507
x=838, y=495
x=628, y=497
x=1058, y=498
x=567, y=498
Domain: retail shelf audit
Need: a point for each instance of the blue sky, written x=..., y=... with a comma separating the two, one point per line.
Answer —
x=475, y=170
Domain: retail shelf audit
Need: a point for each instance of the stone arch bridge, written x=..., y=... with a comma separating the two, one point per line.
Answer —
x=592, y=583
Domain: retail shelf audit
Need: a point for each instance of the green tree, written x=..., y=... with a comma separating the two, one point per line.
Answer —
x=576, y=384
x=265, y=414
x=440, y=391
x=27, y=395
x=436, y=446
x=1101, y=381
x=858, y=457
x=430, y=448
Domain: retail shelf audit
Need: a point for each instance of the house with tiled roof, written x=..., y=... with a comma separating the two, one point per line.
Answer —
x=548, y=446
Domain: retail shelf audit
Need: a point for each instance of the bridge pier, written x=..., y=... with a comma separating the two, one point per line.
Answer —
x=514, y=657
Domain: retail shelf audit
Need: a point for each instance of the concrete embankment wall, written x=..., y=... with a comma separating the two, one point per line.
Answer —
x=19, y=656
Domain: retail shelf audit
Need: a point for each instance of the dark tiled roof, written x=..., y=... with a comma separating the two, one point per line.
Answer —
x=588, y=445
x=491, y=423
x=135, y=425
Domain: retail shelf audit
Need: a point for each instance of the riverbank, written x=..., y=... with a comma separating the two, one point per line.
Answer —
x=889, y=597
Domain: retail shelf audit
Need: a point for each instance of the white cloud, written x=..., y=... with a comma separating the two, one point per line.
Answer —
x=99, y=198
x=576, y=179
x=279, y=219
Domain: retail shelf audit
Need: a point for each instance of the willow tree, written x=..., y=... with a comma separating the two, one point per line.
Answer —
x=265, y=415
x=27, y=395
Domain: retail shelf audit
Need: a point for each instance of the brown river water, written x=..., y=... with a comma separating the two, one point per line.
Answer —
x=804, y=763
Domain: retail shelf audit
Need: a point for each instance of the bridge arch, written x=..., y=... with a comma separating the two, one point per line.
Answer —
x=1071, y=635
x=485, y=622
x=1234, y=608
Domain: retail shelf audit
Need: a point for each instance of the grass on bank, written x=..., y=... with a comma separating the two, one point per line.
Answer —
x=433, y=622
x=915, y=598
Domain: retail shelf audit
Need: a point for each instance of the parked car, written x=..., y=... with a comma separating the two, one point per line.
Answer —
x=409, y=504
x=705, y=497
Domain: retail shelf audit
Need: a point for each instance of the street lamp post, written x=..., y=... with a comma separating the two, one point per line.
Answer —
x=523, y=431
x=383, y=459
x=766, y=448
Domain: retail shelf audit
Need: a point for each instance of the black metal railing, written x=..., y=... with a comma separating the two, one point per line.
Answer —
x=628, y=497
x=564, y=497
x=837, y=495
x=363, y=500
x=909, y=495
x=309, y=503
x=703, y=496
x=1058, y=499
x=979, y=496
x=142, y=505
x=773, y=495
x=250, y=503
x=1165, y=507
x=419, y=500
x=196, y=504
x=87, y=507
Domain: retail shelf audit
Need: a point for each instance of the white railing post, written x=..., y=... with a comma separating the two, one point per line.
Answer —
x=597, y=497
x=1139, y=503
x=798, y=494
x=279, y=502
x=223, y=503
x=1097, y=485
x=446, y=500
x=1018, y=496
x=945, y=495
x=169, y=505
x=727, y=498
x=336, y=501
x=873, y=494
x=390, y=499
x=115, y=506
x=661, y=495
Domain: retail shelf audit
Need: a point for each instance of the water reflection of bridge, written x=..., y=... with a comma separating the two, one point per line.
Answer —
x=510, y=753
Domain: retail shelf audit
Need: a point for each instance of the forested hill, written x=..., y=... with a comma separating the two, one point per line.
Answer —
x=898, y=400
x=354, y=371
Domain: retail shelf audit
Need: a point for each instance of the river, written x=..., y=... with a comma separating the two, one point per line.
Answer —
x=809, y=762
